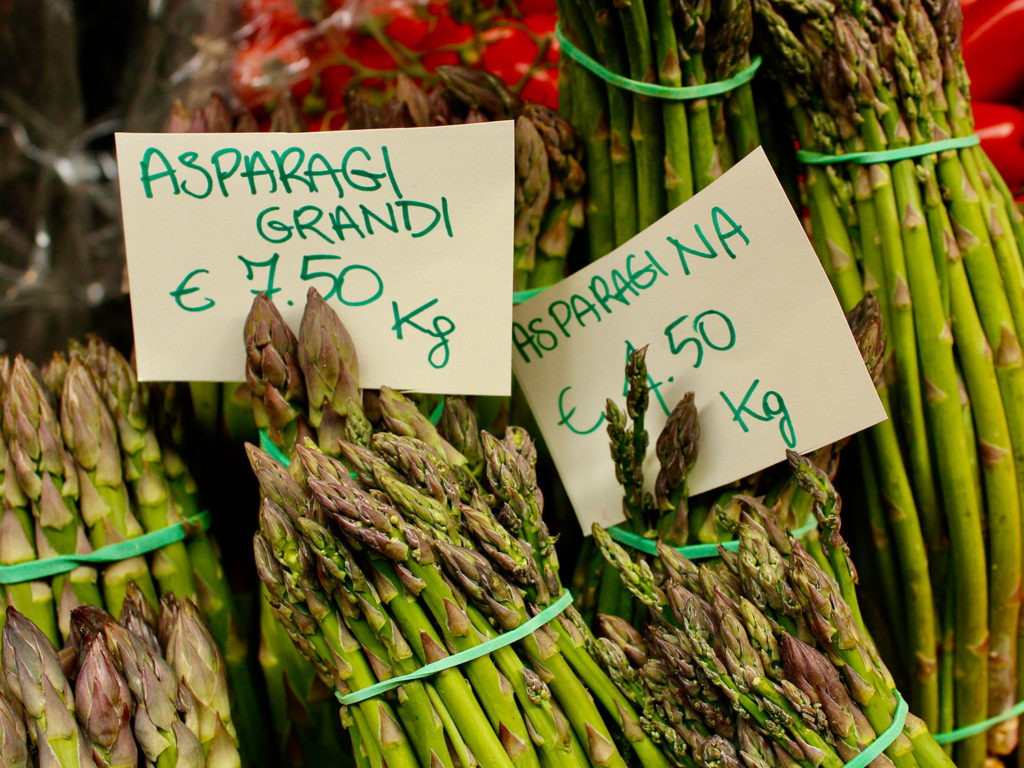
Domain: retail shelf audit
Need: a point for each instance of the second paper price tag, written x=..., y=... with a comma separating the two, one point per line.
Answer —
x=729, y=296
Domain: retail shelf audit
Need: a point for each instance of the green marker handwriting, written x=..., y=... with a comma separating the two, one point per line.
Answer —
x=441, y=328
x=605, y=295
x=772, y=407
x=721, y=336
x=184, y=289
x=708, y=251
x=564, y=420
x=414, y=218
x=271, y=265
x=564, y=417
x=230, y=171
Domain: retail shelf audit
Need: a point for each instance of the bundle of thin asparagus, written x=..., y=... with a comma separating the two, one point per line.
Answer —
x=147, y=690
x=670, y=514
x=89, y=459
x=388, y=544
x=759, y=658
x=549, y=155
x=938, y=240
x=645, y=154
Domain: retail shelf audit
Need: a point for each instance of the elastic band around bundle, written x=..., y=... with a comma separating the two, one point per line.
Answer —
x=112, y=553
x=885, y=738
x=694, y=551
x=268, y=447
x=978, y=728
x=888, y=155
x=671, y=93
x=520, y=296
x=456, y=659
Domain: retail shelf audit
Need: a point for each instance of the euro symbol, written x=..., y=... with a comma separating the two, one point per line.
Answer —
x=184, y=289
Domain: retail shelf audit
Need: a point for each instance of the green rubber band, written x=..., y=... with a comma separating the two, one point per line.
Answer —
x=672, y=93
x=520, y=296
x=973, y=730
x=888, y=155
x=112, y=553
x=485, y=648
x=275, y=453
x=885, y=738
x=694, y=551
x=435, y=415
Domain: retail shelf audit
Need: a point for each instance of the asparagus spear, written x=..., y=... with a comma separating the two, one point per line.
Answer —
x=590, y=115
x=192, y=654
x=330, y=370
x=648, y=140
x=14, y=749
x=141, y=461
x=105, y=706
x=32, y=677
x=33, y=599
x=273, y=375
x=90, y=435
x=365, y=519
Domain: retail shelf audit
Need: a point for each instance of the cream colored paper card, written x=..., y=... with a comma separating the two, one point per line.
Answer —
x=406, y=232
x=730, y=297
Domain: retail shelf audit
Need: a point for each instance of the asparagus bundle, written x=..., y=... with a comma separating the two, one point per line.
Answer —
x=147, y=690
x=384, y=547
x=670, y=514
x=549, y=155
x=937, y=239
x=87, y=465
x=759, y=658
x=646, y=155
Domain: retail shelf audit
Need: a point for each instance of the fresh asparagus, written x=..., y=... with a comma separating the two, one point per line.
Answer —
x=934, y=238
x=402, y=550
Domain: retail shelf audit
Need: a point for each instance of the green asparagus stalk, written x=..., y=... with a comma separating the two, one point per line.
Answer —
x=604, y=36
x=141, y=462
x=105, y=706
x=33, y=678
x=590, y=114
x=330, y=369
x=14, y=748
x=91, y=438
x=34, y=599
x=648, y=139
x=678, y=174
x=192, y=654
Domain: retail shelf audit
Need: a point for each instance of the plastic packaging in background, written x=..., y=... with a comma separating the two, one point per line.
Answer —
x=316, y=49
x=71, y=73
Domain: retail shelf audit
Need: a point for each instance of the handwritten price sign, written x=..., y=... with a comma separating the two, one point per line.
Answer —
x=407, y=233
x=730, y=298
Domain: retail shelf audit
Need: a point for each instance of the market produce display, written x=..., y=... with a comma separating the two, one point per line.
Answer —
x=147, y=689
x=760, y=657
x=384, y=547
x=937, y=238
x=408, y=549
x=90, y=462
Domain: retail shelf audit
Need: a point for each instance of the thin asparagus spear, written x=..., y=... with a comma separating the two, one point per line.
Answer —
x=678, y=174
x=590, y=115
x=648, y=139
x=605, y=37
